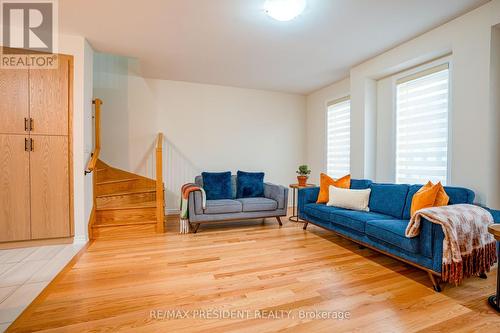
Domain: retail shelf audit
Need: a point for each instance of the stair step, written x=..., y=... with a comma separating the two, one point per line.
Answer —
x=132, y=215
x=120, y=186
x=125, y=200
x=128, y=192
x=145, y=204
x=124, y=231
x=125, y=204
x=114, y=181
x=122, y=223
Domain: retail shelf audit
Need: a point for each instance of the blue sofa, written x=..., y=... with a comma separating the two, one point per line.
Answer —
x=383, y=227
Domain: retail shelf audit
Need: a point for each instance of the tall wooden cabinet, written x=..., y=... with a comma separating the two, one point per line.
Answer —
x=35, y=153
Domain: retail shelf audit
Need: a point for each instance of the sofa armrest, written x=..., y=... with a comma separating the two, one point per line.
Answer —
x=305, y=196
x=195, y=203
x=495, y=214
x=278, y=193
x=431, y=243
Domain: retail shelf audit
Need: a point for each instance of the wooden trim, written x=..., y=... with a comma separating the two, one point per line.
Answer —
x=35, y=242
x=160, y=193
x=97, y=150
x=91, y=222
x=70, y=147
x=376, y=249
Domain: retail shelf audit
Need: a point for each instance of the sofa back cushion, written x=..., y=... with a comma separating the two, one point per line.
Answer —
x=458, y=195
x=388, y=199
x=249, y=184
x=217, y=185
x=360, y=184
x=198, y=180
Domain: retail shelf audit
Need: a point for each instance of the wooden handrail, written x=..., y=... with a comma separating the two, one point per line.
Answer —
x=97, y=150
x=160, y=195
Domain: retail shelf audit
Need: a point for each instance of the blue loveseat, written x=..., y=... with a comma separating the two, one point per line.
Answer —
x=383, y=227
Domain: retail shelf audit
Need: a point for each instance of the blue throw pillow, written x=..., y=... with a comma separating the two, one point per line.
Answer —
x=250, y=184
x=217, y=185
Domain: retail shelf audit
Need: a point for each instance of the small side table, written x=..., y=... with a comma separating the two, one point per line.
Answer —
x=295, y=188
x=494, y=300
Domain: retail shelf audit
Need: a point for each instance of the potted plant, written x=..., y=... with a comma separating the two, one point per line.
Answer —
x=303, y=174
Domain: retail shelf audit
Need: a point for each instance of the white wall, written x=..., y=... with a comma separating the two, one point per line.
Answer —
x=111, y=76
x=495, y=107
x=88, y=133
x=474, y=142
x=207, y=127
x=385, y=165
x=82, y=128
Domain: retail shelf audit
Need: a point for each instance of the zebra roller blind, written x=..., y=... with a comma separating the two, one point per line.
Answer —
x=422, y=126
x=339, y=137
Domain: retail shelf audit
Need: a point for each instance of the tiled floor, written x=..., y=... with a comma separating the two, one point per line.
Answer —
x=24, y=273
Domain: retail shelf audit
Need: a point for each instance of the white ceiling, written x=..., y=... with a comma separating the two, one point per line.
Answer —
x=234, y=43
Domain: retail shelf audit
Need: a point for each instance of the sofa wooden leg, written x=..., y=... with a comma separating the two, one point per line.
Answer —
x=279, y=220
x=195, y=229
x=305, y=225
x=483, y=275
x=435, y=282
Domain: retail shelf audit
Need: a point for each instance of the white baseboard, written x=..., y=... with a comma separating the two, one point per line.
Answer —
x=172, y=211
x=80, y=239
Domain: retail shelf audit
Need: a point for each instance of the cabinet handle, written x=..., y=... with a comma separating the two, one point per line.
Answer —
x=25, y=144
x=32, y=145
x=26, y=124
x=31, y=124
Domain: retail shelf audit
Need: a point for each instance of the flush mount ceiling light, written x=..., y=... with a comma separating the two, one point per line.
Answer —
x=284, y=10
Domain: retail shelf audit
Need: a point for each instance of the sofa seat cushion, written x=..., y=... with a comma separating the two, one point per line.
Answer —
x=223, y=206
x=355, y=220
x=319, y=211
x=393, y=232
x=258, y=204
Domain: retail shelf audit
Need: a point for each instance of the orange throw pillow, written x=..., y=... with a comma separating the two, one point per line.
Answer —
x=326, y=181
x=429, y=195
x=424, y=198
x=442, y=199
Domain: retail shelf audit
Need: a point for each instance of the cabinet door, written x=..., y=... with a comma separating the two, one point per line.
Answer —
x=13, y=100
x=14, y=189
x=49, y=98
x=49, y=169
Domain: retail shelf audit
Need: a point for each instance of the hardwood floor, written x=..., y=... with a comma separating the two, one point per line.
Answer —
x=123, y=285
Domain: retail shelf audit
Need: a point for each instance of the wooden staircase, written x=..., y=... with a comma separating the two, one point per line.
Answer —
x=125, y=203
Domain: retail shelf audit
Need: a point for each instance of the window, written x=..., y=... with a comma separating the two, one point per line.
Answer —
x=422, y=126
x=338, y=136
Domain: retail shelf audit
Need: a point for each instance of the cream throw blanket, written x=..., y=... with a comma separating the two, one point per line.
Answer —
x=468, y=247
